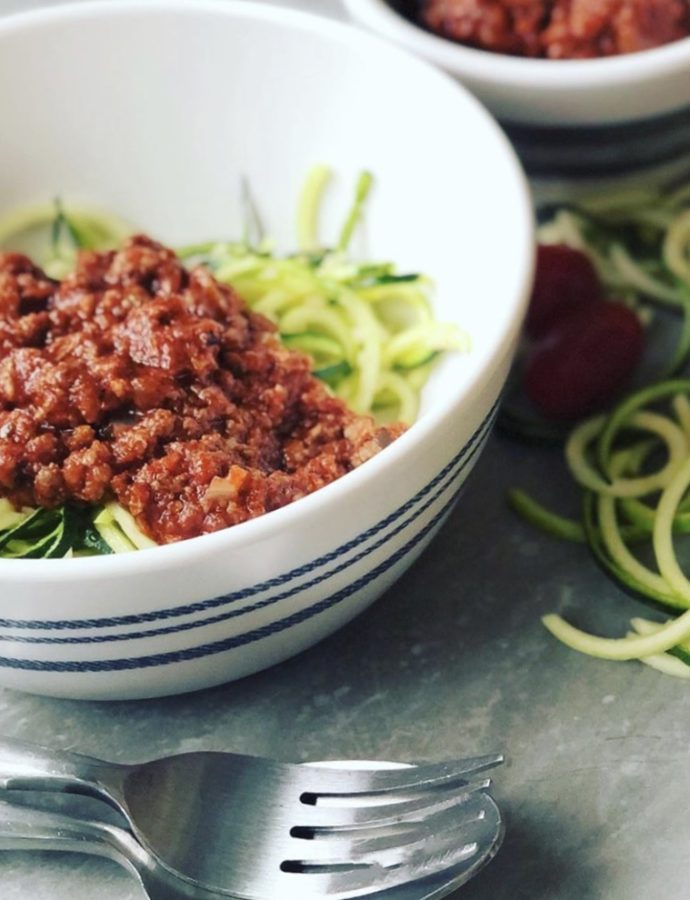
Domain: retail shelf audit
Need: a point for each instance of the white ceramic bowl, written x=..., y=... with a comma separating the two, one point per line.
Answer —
x=574, y=118
x=155, y=110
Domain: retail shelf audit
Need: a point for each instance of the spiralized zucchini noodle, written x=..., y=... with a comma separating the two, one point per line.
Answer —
x=632, y=463
x=369, y=329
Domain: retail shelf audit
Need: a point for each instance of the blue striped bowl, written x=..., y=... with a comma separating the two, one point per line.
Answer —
x=587, y=119
x=184, y=645
x=208, y=610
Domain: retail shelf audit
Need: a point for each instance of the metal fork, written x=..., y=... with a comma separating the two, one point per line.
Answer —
x=477, y=838
x=256, y=829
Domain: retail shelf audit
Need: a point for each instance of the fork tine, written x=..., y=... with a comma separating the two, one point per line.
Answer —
x=466, y=847
x=331, y=818
x=388, y=846
x=331, y=782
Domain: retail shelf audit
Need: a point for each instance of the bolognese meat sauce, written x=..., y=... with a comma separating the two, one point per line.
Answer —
x=137, y=380
x=559, y=29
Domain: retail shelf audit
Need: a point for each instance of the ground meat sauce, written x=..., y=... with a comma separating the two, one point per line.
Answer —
x=559, y=29
x=134, y=379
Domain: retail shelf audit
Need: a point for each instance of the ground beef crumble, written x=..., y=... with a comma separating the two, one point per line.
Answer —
x=559, y=29
x=137, y=380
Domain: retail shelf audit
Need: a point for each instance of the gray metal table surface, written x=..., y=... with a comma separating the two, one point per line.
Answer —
x=453, y=660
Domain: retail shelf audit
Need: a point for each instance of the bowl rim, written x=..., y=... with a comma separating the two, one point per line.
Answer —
x=520, y=72
x=255, y=530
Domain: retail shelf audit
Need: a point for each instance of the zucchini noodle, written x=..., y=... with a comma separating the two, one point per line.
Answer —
x=667, y=663
x=632, y=463
x=681, y=408
x=53, y=238
x=542, y=518
x=308, y=208
x=584, y=473
x=663, y=532
x=601, y=459
x=676, y=248
x=635, y=277
x=612, y=536
x=636, y=647
x=368, y=329
x=638, y=240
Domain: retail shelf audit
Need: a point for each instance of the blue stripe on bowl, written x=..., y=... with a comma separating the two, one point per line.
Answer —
x=276, y=598
x=231, y=643
x=593, y=151
x=173, y=612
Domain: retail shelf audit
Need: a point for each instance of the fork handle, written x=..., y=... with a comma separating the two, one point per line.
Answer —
x=25, y=766
x=26, y=828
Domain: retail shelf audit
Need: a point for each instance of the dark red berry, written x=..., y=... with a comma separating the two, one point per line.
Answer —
x=584, y=362
x=565, y=280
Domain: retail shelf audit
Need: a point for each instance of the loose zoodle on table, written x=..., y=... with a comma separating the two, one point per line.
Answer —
x=632, y=458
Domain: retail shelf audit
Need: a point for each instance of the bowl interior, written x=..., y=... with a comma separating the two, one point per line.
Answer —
x=156, y=111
